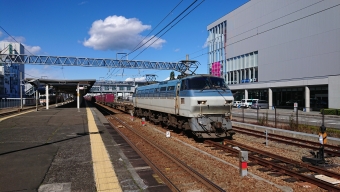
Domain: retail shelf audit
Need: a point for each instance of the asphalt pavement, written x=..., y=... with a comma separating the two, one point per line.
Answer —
x=50, y=150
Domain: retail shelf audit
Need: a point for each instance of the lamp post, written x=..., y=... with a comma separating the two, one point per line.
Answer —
x=116, y=98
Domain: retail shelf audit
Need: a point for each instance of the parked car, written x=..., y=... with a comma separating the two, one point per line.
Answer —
x=246, y=103
x=261, y=104
x=236, y=103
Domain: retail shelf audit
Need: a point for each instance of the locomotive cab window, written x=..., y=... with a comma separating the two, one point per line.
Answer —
x=171, y=88
x=202, y=83
x=184, y=85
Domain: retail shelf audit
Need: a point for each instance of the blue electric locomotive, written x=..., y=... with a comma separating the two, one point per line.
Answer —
x=198, y=104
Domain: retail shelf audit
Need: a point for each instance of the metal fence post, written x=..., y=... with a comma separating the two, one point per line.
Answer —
x=275, y=117
x=297, y=118
x=257, y=111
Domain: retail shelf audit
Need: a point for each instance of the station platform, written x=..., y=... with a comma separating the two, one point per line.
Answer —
x=69, y=149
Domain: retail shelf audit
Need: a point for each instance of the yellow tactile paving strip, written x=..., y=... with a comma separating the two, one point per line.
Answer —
x=105, y=176
x=4, y=118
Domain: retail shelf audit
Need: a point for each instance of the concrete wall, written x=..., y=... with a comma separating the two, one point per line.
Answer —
x=294, y=38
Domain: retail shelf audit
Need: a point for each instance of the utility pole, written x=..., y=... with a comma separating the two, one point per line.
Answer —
x=116, y=98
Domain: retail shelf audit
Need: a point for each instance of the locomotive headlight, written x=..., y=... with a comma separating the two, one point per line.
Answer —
x=228, y=116
x=202, y=102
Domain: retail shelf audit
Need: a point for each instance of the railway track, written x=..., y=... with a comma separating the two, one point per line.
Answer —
x=328, y=149
x=174, y=172
x=295, y=170
x=280, y=164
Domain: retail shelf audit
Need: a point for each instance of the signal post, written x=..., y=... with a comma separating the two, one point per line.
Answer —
x=319, y=157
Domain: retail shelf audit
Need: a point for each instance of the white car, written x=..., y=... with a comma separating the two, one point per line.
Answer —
x=246, y=103
x=236, y=103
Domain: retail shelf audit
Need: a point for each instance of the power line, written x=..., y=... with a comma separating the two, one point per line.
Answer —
x=281, y=25
x=14, y=39
x=162, y=29
x=273, y=27
x=24, y=48
x=257, y=27
x=171, y=26
x=139, y=46
x=157, y=25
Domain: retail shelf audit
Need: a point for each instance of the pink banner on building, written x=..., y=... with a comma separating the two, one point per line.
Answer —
x=216, y=69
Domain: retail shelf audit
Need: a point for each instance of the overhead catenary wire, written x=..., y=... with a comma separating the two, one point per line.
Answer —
x=157, y=25
x=24, y=48
x=171, y=27
x=289, y=22
x=15, y=39
x=139, y=46
x=162, y=29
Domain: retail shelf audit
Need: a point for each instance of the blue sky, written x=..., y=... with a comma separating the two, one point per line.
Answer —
x=103, y=28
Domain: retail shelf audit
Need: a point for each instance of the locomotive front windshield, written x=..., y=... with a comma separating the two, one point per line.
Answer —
x=203, y=83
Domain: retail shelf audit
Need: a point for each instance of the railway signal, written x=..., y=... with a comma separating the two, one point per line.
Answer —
x=319, y=157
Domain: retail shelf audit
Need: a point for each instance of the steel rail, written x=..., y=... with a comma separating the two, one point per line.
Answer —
x=290, y=138
x=288, y=142
x=277, y=167
x=286, y=160
x=190, y=170
x=146, y=159
x=184, y=166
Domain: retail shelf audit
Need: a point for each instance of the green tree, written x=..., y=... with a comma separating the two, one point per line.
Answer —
x=172, y=75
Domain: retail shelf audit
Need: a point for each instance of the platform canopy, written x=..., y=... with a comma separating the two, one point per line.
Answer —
x=62, y=86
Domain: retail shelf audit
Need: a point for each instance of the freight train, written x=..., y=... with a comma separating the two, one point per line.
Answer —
x=52, y=99
x=199, y=105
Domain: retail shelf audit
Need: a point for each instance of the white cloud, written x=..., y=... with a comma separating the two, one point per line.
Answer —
x=82, y=3
x=205, y=43
x=0, y=33
x=177, y=50
x=139, y=79
x=32, y=49
x=28, y=49
x=119, y=33
x=19, y=39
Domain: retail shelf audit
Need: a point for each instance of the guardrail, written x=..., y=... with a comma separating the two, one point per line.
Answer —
x=16, y=102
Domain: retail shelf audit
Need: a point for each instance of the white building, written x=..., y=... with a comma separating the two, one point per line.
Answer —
x=10, y=73
x=283, y=51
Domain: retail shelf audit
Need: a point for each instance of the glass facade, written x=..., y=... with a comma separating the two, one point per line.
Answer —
x=242, y=69
x=235, y=70
x=286, y=97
